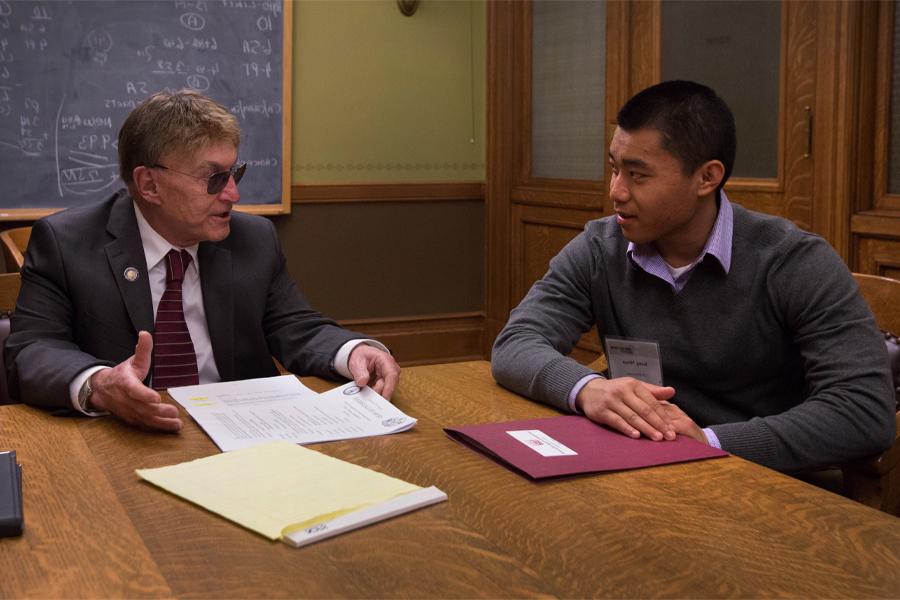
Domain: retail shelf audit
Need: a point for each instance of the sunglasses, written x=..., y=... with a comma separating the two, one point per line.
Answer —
x=216, y=182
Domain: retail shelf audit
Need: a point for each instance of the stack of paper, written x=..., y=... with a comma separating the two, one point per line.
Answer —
x=287, y=492
x=238, y=414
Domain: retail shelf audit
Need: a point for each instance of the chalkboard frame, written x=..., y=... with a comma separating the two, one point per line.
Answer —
x=275, y=208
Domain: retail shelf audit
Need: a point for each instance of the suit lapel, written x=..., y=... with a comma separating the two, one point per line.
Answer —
x=126, y=258
x=218, y=301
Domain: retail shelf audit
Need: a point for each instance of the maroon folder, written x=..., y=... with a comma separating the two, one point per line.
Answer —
x=570, y=445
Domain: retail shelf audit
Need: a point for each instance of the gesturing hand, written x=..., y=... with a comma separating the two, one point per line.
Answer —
x=628, y=405
x=373, y=367
x=121, y=391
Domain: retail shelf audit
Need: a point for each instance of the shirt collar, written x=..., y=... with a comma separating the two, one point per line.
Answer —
x=718, y=244
x=155, y=246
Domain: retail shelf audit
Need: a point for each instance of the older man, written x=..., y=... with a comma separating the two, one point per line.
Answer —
x=164, y=284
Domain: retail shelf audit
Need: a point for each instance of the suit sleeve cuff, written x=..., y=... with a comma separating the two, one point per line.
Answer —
x=342, y=358
x=75, y=387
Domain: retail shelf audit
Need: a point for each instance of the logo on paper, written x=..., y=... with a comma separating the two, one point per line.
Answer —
x=351, y=391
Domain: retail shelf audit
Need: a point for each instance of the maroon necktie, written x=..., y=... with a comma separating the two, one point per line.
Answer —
x=174, y=360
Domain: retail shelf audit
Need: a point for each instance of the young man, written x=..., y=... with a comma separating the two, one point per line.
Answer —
x=766, y=347
x=168, y=263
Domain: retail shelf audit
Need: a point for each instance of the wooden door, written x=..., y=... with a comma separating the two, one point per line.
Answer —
x=532, y=214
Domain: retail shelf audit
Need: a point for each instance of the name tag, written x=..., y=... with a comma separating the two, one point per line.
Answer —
x=634, y=358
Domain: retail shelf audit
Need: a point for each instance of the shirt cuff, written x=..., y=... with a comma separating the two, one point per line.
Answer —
x=75, y=387
x=712, y=438
x=342, y=358
x=578, y=385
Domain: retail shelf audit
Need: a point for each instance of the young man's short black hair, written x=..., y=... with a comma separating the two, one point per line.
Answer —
x=696, y=124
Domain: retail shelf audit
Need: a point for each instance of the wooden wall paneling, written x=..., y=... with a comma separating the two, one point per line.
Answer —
x=523, y=102
x=386, y=192
x=792, y=196
x=865, y=88
x=413, y=338
x=538, y=234
x=575, y=194
x=501, y=123
x=541, y=214
x=878, y=256
x=884, y=81
x=427, y=339
x=618, y=53
x=618, y=38
x=875, y=223
x=644, y=65
x=835, y=143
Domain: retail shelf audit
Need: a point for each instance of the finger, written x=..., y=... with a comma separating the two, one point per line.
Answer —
x=391, y=378
x=618, y=423
x=137, y=392
x=360, y=373
x=144, y=413
x=143, y=353
x=378, y=386
x=166, y=410
x=635, y=418
x=164, y=423
x=645, y=404
x=660, y=393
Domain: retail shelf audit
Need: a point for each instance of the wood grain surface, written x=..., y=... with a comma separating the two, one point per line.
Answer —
x=723, y=528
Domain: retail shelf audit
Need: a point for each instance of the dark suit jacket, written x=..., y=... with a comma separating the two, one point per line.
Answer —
x=76, y=308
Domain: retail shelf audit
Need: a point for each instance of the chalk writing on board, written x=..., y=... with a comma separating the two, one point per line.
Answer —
x=70, y=72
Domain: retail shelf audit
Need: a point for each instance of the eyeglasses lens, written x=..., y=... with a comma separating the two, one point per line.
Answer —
x=218, y=181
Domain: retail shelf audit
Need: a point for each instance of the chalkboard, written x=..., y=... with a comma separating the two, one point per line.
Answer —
x=70, y=72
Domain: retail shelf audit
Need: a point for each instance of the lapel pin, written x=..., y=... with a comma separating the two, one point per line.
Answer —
x=131, y=274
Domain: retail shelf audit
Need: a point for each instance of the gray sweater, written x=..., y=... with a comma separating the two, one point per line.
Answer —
x=780, y=356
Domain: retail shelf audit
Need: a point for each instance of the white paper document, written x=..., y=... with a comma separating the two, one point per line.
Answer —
x=238, y=414
x=372, y=514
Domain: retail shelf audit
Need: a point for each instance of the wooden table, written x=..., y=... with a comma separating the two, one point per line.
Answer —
x=718, y=528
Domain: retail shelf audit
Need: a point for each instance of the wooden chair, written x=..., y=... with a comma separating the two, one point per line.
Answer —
x=876, y=481
x=9, y=292
x=14, y=241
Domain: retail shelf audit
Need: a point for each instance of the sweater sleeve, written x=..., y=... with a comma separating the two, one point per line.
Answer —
x=848, y=410
x=529, y=355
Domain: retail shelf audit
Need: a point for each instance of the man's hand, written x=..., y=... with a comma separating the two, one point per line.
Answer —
x=684, y=424
x=121, y=391
x=375, y=368
x=628, y=405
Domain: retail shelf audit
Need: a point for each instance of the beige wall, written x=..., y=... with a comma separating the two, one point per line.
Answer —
x=382, y=97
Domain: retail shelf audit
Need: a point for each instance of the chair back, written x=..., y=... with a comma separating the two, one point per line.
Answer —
x=876, y=481
x=14, y=242
x=9, y=292
x=883, y=297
